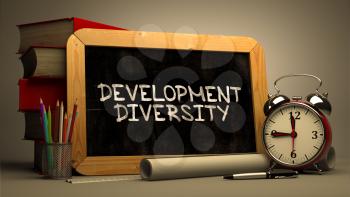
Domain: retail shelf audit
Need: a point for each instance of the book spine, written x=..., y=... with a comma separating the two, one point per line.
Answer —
x=32, y=89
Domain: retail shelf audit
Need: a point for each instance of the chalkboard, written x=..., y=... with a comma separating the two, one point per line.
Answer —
x=139, y=97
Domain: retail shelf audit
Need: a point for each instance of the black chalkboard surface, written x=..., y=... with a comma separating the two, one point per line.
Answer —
x=132, y=67
x=150, y=94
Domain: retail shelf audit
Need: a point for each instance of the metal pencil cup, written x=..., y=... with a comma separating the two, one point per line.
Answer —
x=57, y=161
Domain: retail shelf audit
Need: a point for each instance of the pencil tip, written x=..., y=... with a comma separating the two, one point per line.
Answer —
x=41, y=100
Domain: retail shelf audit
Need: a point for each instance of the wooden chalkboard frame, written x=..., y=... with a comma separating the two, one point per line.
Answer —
x=104, y=165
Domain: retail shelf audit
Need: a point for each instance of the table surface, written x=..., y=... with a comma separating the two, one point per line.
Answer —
x=17, y=179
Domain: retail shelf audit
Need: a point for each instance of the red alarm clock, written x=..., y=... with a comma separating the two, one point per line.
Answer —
x=297, y=133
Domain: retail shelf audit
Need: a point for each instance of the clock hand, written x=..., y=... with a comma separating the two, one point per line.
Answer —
x=292, y=121
x=279, y=134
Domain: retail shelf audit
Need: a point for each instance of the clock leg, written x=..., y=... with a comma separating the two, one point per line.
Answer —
x=315, y=169
x=273, y=165
x=318, y=169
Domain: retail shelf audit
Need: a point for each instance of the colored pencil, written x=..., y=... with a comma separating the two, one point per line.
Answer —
x=42, y=126
x=44, y=121
x=72, y=126
x=57, y=122
x=49, y=125
x=61, y=123
x=65, y=124
x=74, y=114
x=42, y=114
x=75, y=118
x=68, y=127
x=46, y=125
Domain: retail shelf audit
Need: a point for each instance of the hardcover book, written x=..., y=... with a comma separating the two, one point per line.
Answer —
x=48, y=89
x=54, y=32
x=44, y=62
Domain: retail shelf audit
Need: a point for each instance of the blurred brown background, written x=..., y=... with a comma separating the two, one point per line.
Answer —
x=298, y=37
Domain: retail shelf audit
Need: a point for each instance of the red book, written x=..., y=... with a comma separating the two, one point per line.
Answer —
x=54, y=32
x=49, y=89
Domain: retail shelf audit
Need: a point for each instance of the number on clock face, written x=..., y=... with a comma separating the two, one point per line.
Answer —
x=294, y=134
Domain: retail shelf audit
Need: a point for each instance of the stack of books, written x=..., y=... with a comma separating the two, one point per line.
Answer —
x=43, y=55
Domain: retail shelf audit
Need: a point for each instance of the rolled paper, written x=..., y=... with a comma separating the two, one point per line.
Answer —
x=201, y=166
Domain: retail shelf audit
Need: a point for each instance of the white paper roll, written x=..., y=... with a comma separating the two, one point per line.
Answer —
x=201, y=166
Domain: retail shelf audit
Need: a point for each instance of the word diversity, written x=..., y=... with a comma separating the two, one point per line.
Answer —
x=209, y=96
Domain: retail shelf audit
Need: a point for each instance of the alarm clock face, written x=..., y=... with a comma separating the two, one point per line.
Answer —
x=294, y=135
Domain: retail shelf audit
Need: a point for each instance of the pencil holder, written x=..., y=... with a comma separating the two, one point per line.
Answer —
x=58, y=158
